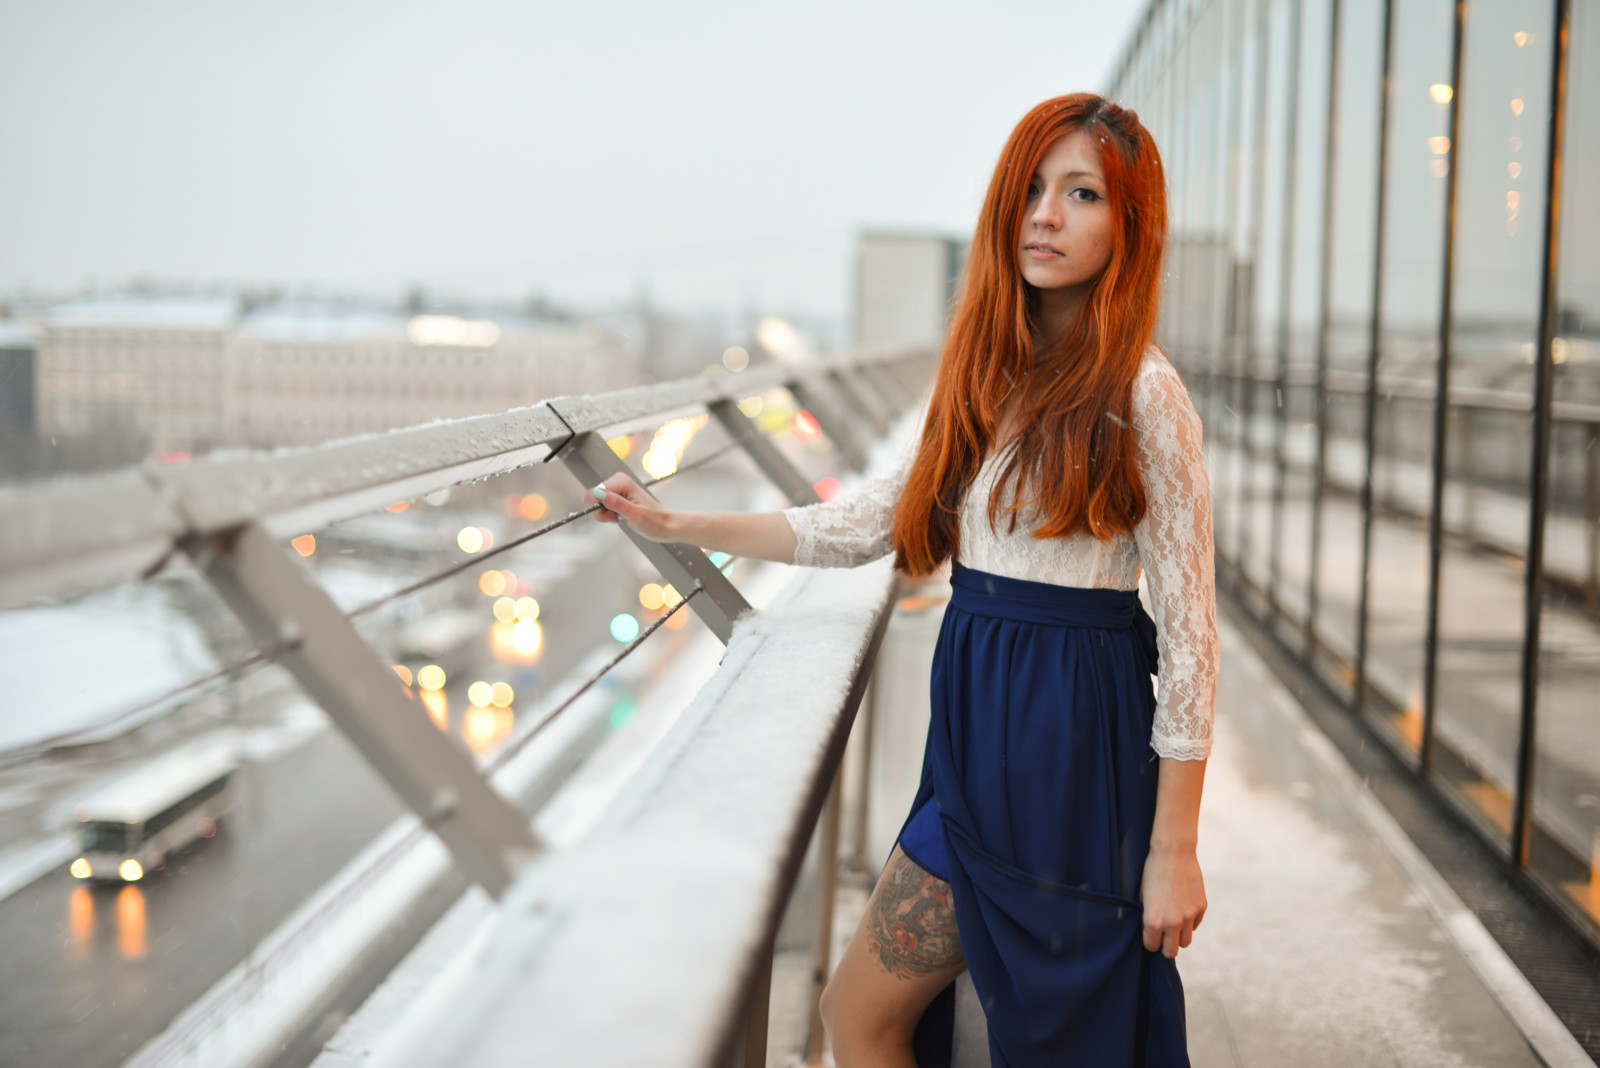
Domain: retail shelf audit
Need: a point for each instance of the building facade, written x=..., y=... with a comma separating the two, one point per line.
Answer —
x=121, y=379
x=1384, y=294
x=904, y=286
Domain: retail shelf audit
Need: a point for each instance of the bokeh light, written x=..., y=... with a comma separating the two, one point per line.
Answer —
x=804, y=426
x=527, y=609
x=305, y=544
x=622, y=445
x=431, y=677
x=533, y=507
x=481, y=694
x=624, y=627
x=827, y=488
x=470, y=539
x=438, y=706
x=735, y=358
x=484, y=728
x=751, y=407
x=505, y=610
x=650, y=595
x=404, y=673
x=670, y=596
x=501, y=695
x=527, y=640
x=399, y=506
x=492, y=583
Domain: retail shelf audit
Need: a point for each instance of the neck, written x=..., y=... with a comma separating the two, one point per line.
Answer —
x=1055, y=312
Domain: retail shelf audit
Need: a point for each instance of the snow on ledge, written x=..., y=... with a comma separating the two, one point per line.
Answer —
x=635, y=945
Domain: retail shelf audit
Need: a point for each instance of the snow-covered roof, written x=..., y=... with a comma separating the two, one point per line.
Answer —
x=176, y=313
x=15, y=335
x=147, y=790
x=321, y=323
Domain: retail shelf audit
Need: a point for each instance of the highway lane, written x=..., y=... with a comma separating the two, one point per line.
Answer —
x=88, y=975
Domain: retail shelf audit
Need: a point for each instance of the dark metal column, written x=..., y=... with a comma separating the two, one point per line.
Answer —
x=1441, y=406
x=1374, y=349
x=1543, y=371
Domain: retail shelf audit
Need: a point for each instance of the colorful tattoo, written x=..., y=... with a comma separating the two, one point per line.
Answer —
x=914, y=922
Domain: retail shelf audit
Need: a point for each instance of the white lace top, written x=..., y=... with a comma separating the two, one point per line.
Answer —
x=1172, y=543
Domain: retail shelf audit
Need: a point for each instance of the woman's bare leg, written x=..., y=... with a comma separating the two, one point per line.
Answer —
x=904, y=952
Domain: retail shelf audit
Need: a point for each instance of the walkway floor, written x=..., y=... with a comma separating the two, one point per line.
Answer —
x=1320, y=948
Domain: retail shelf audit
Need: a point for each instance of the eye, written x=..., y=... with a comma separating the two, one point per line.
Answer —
x=1033, y=190
x=1085, y=194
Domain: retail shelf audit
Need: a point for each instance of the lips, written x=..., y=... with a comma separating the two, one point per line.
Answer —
x=1040, y=251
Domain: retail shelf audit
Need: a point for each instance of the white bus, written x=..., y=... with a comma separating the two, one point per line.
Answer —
x=130, y=825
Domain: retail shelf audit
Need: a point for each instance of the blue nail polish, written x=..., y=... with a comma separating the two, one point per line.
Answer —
x=599, y=493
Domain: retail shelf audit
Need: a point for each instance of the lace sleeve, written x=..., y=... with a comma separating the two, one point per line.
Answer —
x=1174, y=541
x=852, y=529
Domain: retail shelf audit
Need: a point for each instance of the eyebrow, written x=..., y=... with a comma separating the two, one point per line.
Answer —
x=1078, y=174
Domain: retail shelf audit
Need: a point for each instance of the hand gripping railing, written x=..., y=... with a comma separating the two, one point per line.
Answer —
x=229, y=516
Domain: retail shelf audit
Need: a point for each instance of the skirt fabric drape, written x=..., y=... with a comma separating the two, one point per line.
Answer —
x=1036, y=804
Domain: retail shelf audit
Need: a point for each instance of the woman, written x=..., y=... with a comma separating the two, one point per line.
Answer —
x=1049, y=851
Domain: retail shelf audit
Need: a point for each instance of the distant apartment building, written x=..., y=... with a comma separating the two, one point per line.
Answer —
x=18, y=355
x=138, y=369
x=304, y=375
x=177, y=375
x=904, y=286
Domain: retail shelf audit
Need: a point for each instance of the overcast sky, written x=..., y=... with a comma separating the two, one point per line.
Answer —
x=723, y=155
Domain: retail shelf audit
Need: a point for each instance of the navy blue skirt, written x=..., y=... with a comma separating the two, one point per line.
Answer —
x=1037, y=799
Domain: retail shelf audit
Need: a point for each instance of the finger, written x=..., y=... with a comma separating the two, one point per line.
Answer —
x=1186, y=935
x=1169, y=942
x=1152, y=938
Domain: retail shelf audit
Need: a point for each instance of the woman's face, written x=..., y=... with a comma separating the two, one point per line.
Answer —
x=1066, y=225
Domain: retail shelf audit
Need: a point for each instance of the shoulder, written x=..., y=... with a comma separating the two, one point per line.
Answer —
x=1158, y=389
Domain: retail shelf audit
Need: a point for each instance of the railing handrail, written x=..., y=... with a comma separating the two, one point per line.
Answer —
x=72, y=535
x=1420, y=389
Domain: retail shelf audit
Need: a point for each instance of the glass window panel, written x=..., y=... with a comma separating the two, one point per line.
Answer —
x=1504, y=101
x=1230, y=267
x=1408, y=363
x=1565, y=845
x=1355, y=186
x=1258, y=410
x=1293, y=548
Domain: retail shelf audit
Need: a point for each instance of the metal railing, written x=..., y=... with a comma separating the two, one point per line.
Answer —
x=230, y=517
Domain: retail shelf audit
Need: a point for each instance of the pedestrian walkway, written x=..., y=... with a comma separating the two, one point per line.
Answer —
x=1329, y=941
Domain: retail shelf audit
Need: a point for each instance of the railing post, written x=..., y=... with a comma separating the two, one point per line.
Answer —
x=832, y=420
x=827, y=884
x=766, y=456
x=284, y=607
x=591, y=461
x=848, y=387
x=750, y=1044
x=888, y=385
x=1591, y=465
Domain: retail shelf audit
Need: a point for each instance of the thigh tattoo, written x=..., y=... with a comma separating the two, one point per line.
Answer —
x=913, y=921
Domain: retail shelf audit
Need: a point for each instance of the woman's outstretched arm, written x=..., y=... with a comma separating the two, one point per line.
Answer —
x=759, y=535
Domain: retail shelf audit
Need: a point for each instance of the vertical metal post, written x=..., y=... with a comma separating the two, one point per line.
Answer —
x=827, y=884
x=1539, y=476
x=281, y=604
x=1374, y=347
x=1441, y=407
x=1324, y=297
x=850, y=388
x=1591, y=513
x=1280, y=426
x=893, y=391
x=591, y=461
x=763, y=452
x=750, y=1046
x=868, y=717
x=833, y=422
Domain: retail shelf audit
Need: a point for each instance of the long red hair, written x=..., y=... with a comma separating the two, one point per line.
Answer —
x=1076, y=462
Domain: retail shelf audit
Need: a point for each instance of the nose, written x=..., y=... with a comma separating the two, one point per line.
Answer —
x=1047, y=212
